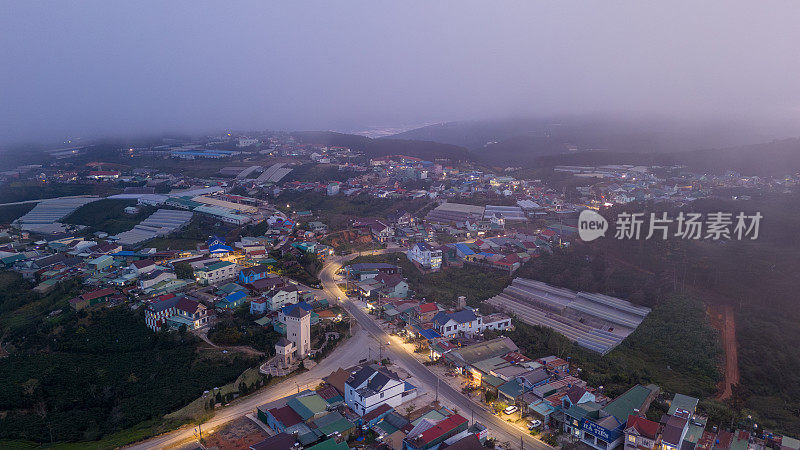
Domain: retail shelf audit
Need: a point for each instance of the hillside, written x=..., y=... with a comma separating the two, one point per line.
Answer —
x=384, y=147
x=765, y=159
x=607, y=140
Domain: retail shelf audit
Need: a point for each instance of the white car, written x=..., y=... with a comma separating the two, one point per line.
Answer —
x=510, y=410
x=534, y=424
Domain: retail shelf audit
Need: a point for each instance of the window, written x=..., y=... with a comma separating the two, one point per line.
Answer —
x=632, y=438
x=381, y=394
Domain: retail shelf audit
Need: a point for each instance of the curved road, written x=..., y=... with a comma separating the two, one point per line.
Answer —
x=498, y=428
x=346, y=355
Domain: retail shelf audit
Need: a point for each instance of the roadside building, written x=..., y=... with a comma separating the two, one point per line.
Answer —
x=297, y=343
x=371, y=387
x=603, y=427
x=459, y=323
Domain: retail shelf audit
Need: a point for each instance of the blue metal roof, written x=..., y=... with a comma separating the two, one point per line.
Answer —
x=463, y=248
x=238, y=295
x=429, y=334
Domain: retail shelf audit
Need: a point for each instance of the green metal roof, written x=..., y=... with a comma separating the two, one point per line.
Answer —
x=492, y=380
x=215, y=266
x=684, y=402
x=512, y=389
x=584, y=410
x=264, y=321
x=308, y=406
x=333, y=423
x=330, y=444
x=623, y=406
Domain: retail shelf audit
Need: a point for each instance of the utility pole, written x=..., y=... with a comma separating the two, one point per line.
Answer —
x=521, y=443
x=437, y=389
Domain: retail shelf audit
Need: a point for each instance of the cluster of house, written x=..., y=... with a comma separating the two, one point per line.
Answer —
x=375, y=281
x=98, y=264
x=507, y=252
x=360, y=398
x=621, y=183
x=238, y=274
x=681, y=428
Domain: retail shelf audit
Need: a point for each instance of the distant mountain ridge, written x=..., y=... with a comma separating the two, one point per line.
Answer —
x=386, y=146
x=592, y=141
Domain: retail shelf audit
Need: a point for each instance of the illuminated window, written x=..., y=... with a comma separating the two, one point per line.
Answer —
x=632, y=438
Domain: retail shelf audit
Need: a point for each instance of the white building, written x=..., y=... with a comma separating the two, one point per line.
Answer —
x=371, y=387
x=151, y=279
x=216, y=272
x=279, y=297
x=467, y=323
x=297, y=343
x=459, y=323
x=494, y=322
x=425, y=255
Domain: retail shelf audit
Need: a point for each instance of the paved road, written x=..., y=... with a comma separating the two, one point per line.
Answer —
x=346, y=355
x=367, y=331
x=500, y=429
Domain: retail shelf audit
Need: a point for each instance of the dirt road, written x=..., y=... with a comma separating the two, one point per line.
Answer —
x=723, y=319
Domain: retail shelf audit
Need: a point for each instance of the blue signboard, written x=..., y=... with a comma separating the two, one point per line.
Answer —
x=600, y=432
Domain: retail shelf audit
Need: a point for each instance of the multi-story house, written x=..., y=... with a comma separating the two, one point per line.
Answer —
x=459, y=323
x=254, y=273
x=216, y=272
x=372, y=387
x=494, y=322
x=641, y=434
x=175, y=311
x=280, y=297
x=143, y=266
x=425, y=255
x=151, y=279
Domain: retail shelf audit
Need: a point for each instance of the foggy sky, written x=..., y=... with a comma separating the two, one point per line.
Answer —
x=100, y=68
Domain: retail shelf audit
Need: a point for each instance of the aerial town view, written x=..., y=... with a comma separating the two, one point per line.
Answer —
x=406, y=226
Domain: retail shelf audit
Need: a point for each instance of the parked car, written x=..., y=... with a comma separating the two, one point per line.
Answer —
x=510, y=410
x=534, y=424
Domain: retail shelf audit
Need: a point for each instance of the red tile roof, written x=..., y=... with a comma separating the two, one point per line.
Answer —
x=442, y=427
x=144, y=263
x=428, y=307
x=377, y=412
x=645, y=427
x=98, y=294
x=328, y=392
x=286, y=415
x=188, y=305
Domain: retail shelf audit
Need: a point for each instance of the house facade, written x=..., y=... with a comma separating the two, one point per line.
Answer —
x=175, y=310
x=459, y=323
x=369, y=388
x=150, y=279
x=280, y=297
x=425, y=255
x=217, y=272
x=254, y=273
